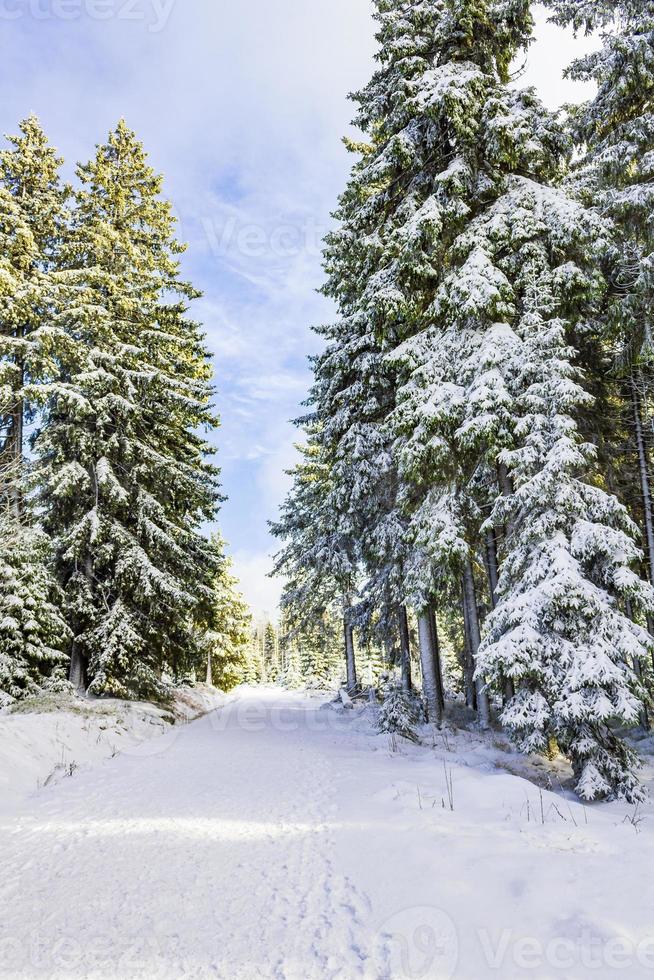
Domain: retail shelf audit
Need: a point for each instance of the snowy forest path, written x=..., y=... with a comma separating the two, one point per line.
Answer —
x=279, y=838
x=207, y=853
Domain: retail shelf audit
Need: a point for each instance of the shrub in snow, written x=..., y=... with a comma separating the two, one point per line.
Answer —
x=401, y=712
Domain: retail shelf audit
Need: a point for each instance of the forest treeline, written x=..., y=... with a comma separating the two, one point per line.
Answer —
x=107, y=580
x=477, y=443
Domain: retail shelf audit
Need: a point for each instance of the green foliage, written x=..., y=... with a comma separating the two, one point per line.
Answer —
x=33, y=635
x=125, y=478
x=225, y=627
x=104, y=560
x=309, y=654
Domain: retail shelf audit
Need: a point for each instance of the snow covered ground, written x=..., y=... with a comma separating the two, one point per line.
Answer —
x=279, y=838
x=51, y=738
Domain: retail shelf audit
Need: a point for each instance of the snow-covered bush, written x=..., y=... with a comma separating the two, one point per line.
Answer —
x=401, y=712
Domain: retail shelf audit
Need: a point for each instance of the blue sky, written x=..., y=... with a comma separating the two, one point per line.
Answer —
x=242, y=106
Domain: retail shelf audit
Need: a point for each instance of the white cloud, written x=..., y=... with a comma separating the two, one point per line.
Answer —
x=548, y=59
x=273, y=479
x=261, y=592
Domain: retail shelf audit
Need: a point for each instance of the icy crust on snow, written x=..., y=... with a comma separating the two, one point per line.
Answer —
x=49, y=738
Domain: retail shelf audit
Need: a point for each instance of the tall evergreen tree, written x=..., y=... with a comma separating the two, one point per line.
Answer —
x=419, y=180
x=615, y=133
x=32, y=633
x=352, y=395
x=559, y=630
x=126, y=479
x=29, y=174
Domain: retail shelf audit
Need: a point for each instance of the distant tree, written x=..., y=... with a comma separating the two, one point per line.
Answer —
x=225, y=626
x=319, y=557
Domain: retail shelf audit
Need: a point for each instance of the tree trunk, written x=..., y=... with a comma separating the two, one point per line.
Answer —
x=429, y=668
x=508, y=689
x=644, y=714
x=79, y=667
x=350, y=662
x=437, y=658
x=405, y=648
x=650, y=629
x=468, y=662
x=645, y=489
x=638, y=670
x=643, y=470
x=506, y=488
x=77, y=674
x=491, y=564
x=483, y=705
x=17, y=438
x=209, y=670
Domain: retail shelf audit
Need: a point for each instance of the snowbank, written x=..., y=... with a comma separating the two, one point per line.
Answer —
x=497, y=869
x=460, y=742
x=46, y=739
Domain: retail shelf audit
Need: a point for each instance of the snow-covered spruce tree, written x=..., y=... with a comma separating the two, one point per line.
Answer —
x=271, y=653
x=254, y=670
x=318, y=559
x=224, y=626
x=430, y=112
x=352, y=396
x=34, y=205
x=290, y=644
x=615, y=132
x=126, y=481
x=33, y=635
x=311, y=653
x=400, y=713
x=559, y=629
x=320, y=646
x=380, y=277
